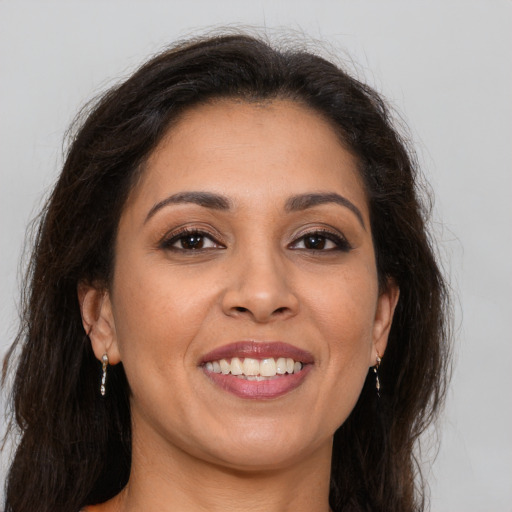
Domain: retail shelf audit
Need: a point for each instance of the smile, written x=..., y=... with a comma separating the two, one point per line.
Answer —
x=273, y=370
x=254, y=369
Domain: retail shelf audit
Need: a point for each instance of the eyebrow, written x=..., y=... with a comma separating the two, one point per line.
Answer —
x=305, y=201
x=205, y=199
x=218, y=202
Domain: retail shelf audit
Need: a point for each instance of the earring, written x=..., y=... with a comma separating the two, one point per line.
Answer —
x=376, y=371
x=104, y=364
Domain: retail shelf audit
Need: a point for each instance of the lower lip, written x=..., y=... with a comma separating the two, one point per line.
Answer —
x=259, y=390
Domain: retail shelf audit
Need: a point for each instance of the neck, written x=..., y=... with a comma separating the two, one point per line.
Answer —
x=180, y=482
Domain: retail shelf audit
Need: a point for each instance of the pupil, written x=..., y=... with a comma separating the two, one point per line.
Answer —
x=192, y=242
x=314, y=242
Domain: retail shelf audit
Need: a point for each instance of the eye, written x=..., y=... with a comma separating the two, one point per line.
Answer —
x=321, y=241
x=190, y=240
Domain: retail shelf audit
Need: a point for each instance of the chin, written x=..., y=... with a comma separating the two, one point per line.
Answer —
x=267, y=447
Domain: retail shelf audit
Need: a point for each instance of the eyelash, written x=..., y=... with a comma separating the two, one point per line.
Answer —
x=340, y=242
x=168, y=243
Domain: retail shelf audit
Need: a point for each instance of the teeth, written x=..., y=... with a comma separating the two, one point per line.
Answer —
x=225, y=367
x=268, y=367
x=251, y=366
x=236, y=366
x=281, y=366
x=255, y=369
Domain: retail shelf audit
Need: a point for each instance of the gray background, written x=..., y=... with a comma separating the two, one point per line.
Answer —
x=446, y=65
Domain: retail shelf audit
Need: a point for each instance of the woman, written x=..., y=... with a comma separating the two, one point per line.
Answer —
x=233, y=301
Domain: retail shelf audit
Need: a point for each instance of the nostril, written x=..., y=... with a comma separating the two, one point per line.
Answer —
x=241, y=309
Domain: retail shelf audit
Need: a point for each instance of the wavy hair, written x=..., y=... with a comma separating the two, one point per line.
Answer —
x=75, y=446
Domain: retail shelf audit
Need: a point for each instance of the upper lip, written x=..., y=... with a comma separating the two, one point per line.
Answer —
x=258, y=350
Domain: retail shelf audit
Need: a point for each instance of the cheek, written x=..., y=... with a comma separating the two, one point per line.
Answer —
x=344, y=306
x=344, y=315
x=157, y=317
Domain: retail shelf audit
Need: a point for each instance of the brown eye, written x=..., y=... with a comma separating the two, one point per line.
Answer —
x=315, y=242
x=321, y=241
x=195, y=241
x=186, y=241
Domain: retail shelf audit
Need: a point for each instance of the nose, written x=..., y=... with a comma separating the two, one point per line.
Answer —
x=259, y=288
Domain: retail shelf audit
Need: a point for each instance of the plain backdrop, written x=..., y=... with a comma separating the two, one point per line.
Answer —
x=445, y=65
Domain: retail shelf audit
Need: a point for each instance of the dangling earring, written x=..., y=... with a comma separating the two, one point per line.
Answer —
x=376, y=371
x=104, y=364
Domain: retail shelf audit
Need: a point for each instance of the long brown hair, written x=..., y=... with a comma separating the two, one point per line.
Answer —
x=74, y=446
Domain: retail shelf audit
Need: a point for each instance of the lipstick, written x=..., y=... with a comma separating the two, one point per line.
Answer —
x=258, y=350
x=235, y=368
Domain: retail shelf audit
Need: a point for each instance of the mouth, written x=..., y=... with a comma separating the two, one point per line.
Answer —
x=257, y=370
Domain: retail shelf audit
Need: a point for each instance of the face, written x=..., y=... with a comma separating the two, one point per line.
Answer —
x=245, y=305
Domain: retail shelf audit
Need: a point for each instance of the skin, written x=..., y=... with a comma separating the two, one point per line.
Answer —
x=256, y=278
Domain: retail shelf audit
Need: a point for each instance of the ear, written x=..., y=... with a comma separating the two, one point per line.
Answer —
x=386, y=304
x=98, y=321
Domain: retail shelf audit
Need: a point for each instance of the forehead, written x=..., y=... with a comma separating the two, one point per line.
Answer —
x=250, y=152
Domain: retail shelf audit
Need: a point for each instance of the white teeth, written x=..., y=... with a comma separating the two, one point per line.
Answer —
x=225, y=367
x=281, y=366
x=268, y=367
x=255, y=369
x=251, y=366
x=236, y=366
